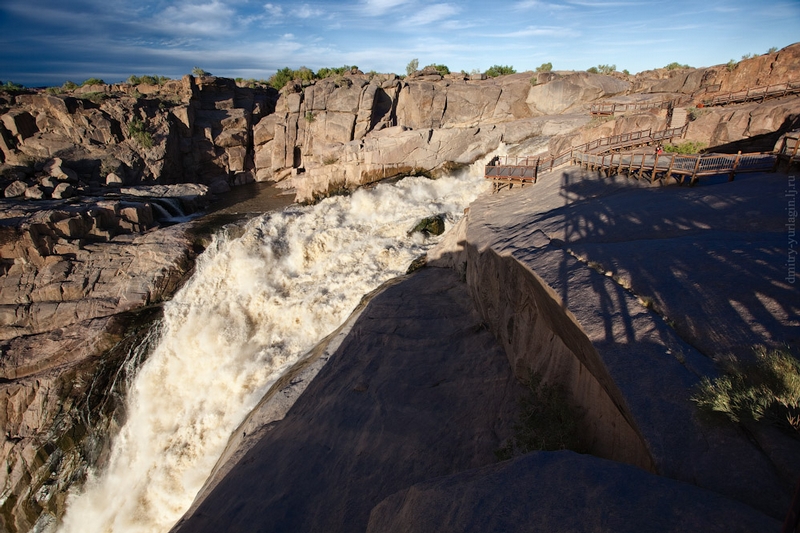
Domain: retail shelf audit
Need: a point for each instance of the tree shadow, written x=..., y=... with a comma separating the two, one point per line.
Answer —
x=710, y=259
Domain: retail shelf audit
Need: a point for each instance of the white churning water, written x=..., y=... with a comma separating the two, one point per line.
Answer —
x=255, y=305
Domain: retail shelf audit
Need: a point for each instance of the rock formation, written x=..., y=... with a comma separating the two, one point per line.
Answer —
x=90, y=180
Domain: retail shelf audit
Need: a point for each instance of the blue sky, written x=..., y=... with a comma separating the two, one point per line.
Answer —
x=46, y=42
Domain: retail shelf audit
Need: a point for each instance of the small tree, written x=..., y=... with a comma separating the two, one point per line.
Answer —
x=544, y=67
x=500, y=70
x=199, y=73
x=606, y=69
x=412, y=67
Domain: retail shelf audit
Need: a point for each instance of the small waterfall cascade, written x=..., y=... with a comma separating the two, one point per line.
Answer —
x=258, y=301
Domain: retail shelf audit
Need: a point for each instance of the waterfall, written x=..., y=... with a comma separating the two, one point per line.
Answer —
x=256, y=303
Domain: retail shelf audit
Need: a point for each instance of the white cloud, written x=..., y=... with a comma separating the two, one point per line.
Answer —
x=432, y=14
x=274, y=10
x=306, y=11
x=204, y=18
x=525, y=5
x=379, y=7
x=536, y=31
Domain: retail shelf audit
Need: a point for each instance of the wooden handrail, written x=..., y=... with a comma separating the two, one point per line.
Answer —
x=755, y=93
x=613, y=108
x=548, y=163
x=681, y=166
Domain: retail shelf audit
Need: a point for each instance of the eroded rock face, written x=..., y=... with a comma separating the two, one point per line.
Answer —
x=185, y=131
x=74, y=278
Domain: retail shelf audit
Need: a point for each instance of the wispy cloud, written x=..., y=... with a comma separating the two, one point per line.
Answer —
x=602, y=3
x=379, y=7
x=431, y=14
x=306, y=11
x=273, y=10
x=526, y=5
x=198, y=18
x=538, y=31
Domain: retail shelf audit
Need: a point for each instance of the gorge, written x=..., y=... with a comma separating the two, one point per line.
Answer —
x=330, y=137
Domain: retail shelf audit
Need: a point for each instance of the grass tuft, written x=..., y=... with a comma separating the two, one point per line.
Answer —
x=547, y=422
x=767, y=389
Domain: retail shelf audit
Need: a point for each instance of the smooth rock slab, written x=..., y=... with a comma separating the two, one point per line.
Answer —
x=560, y=492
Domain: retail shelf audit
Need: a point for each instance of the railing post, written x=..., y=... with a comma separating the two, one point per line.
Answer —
x=735, y=164
x=693, y=179
x=669, y=170
x=641, y=168
x=655, y=167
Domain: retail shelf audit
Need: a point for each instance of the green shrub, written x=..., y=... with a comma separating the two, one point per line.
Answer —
x=500, y=70
x=767, y=389
x=441, y=69
x=626, y=72
x=310, y=117
x=547, y=422
x=199, y=73
x=746, y=56
x=93, y=81
x=544, y=67
x=303, y=74
x=326, y=72
x=137, y=129
x=412, y=67
x=69, y=86
x=731, y=65
x=772, y=49
x=694, y=112
x=147, y=80
x=11, y=87
x=685, y=148
x=606, y=69
x=675, y=65
x=592, y=70
x=281, y=78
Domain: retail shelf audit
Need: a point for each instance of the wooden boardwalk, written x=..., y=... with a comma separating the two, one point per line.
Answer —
x=508, y=170
x=755, y=93
x=612, y=109
x=679, y=167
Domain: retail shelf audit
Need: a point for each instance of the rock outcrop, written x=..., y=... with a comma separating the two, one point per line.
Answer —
x=80, y=281
x=89, y=179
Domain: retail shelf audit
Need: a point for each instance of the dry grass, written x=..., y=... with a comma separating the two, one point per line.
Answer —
x=768, y=389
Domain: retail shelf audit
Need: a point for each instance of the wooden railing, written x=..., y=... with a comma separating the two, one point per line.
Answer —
x=789, y=148
x=527, y=168
x=611, y=109
x=679, y=167
x=755, y=93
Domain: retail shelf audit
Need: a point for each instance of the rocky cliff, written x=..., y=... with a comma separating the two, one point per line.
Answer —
x=92, y=179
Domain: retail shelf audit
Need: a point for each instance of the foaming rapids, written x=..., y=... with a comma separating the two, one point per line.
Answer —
x=255, y=305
